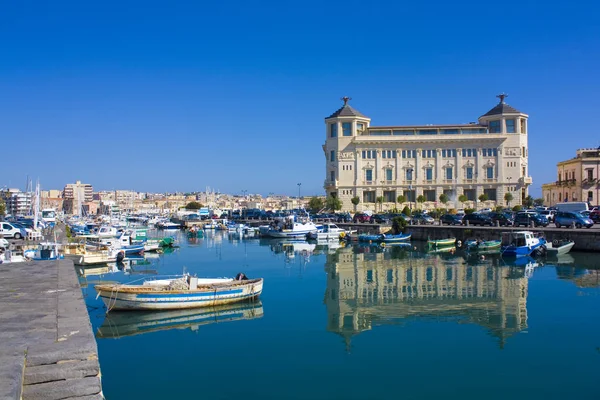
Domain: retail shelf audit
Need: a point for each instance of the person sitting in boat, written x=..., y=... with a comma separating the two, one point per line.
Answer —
x=241, y=277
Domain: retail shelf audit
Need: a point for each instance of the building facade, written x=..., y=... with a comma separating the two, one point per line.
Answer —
x=78, y=190
x=17, y=203
x=578, y=179
x=489, y=158
x=77, y=197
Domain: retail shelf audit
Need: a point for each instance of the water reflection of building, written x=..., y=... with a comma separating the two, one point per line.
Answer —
x=369, y=289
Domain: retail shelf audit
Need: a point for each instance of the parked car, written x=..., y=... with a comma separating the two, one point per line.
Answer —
x=361, y=217
x=478, y=219
x=344, y=217
x=380, y=219
x=451, y=219
x=526, y=218
x=485, y=210
x=13, y=230
x=422, y=219
x=595, y=215
x=501, y=219
x=549, y=214
x=569, y=218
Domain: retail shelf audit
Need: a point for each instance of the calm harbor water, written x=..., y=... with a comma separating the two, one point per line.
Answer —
x=357, y=323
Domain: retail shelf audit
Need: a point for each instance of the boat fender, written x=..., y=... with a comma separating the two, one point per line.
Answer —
x=382, y=244
x=241, y=277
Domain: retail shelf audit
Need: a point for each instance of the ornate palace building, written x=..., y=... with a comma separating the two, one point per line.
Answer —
x=488, y=157
x=578, y=179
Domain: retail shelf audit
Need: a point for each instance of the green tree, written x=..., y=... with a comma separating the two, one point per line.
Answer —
x=333, y=203
x=528, y=202
x=517, y=208
x=401, y=199
x=380, y=201
x=538, y=202
x=398, y=225
x=355, y=200
x=315, y=204
x=462, y=198
x=444, y=199
x=2, y=208
x=406, y=211
x=421, y=199
x=508, y=198
x=483, y=197
x=193, y=205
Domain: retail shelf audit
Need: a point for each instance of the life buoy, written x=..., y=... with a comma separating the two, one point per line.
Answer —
x=555, y=242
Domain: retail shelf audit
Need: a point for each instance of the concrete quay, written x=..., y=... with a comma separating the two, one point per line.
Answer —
x=47, y=348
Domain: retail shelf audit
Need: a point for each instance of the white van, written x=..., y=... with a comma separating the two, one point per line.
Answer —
x=8, y=230
x=573, y=206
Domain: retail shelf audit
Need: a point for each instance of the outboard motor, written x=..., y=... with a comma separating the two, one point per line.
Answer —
x=120, y=256
x=241, y=277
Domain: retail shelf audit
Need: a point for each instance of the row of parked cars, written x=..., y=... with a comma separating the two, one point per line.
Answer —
x=525, y=218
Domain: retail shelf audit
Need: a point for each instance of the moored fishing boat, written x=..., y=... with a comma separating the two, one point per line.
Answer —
x=44, y=251
x=522, y=243
x=179, y=293
x=385, y=237
x=559, y=247
x=481, y=246
x=435, y=243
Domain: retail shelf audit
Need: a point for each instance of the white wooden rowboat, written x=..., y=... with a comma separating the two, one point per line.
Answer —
x=179, y=293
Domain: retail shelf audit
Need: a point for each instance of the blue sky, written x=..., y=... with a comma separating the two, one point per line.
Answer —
x=177, y=96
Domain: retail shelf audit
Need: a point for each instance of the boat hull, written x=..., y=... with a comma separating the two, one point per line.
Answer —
x=122, y=297
x=520, y=251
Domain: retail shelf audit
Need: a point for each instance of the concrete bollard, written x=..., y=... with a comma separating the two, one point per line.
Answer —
x=573, y=225
x=497, y=223
x=532, y=224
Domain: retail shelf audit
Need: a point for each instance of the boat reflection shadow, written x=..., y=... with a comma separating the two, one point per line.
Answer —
x=128, y=323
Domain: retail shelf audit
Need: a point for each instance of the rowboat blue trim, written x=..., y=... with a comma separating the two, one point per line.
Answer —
x=182, y=298
x=187, y=295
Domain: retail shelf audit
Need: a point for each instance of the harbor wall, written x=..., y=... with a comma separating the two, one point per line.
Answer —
x=47, y=347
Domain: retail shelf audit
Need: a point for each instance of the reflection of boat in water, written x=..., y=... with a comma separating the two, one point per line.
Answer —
x=127, y=323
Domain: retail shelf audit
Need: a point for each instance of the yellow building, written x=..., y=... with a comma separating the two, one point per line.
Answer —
x=370, y=289
x=578, y=179
x=488, y=157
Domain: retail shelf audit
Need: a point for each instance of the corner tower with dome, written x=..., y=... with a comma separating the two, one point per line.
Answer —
x=483, y=160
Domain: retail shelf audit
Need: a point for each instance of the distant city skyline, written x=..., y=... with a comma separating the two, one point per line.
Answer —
x=233, y=96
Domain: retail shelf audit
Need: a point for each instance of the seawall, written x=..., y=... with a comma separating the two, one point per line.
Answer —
x=47, y=348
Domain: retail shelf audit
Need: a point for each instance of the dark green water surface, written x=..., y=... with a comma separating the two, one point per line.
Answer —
x=357, y=323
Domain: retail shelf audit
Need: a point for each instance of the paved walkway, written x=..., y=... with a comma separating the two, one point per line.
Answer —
x=47, y=348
